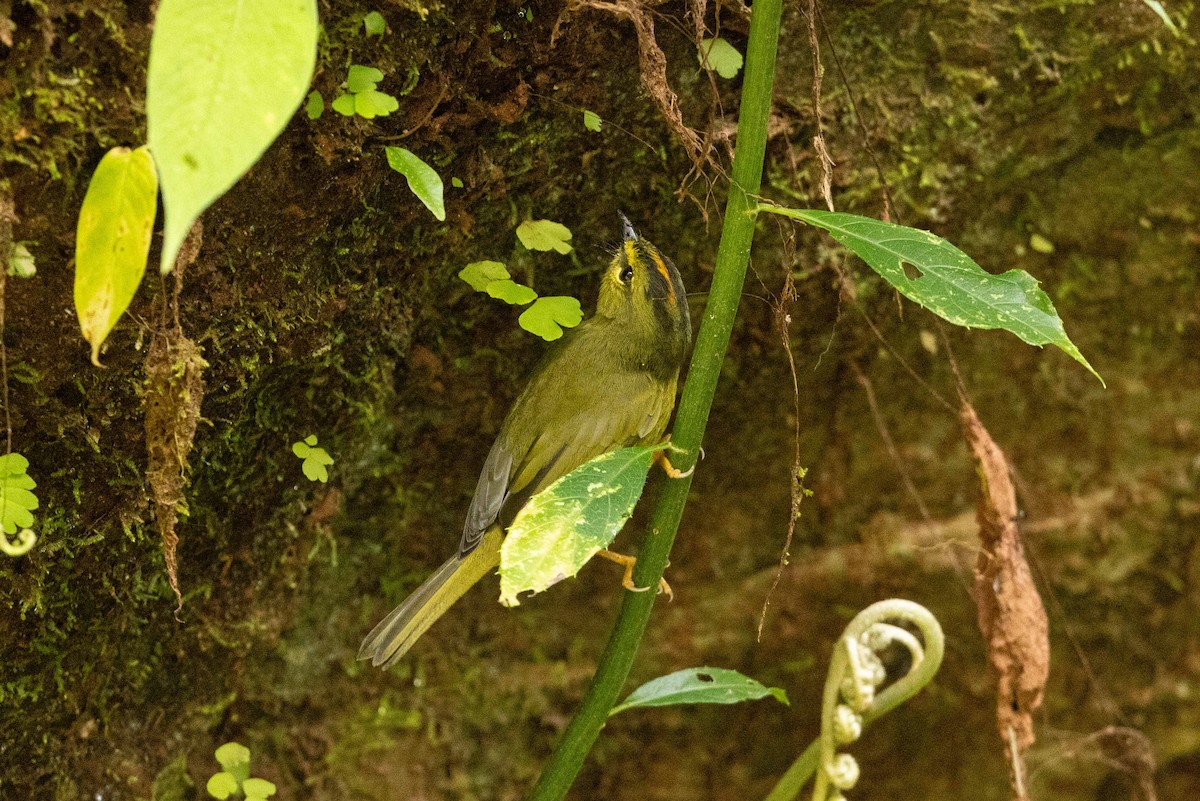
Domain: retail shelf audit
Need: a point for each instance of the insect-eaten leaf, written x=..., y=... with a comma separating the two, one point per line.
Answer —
x=544, y=235
x=701, y=685
x=423, y=180
x=563, y=526
x=16, y=501
x=548, y=316
x=112, y=240
x=374, y=23
x=223, y=81
x=314, y=106
x=948, y=282
x=592, y=121
x=316, y=460
x=511, y=292
x=718, y=54
x=481, y=273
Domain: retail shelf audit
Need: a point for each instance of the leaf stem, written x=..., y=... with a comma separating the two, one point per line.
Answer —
x=712, y=341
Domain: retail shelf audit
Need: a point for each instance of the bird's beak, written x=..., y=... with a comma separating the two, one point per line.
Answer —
x=630, y=234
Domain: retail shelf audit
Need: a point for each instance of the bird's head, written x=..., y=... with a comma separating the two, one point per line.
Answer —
x=642, y=285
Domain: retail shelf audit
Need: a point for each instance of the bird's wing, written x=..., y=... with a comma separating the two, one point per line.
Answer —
x=570, y=431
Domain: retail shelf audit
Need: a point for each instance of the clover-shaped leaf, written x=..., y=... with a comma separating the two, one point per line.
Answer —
x=362, y=79
x=344, y=105
x=548, y=316
x=511, y=292
x=221, y=785
x=544, y=235
x=719, y=55
x=592, y=121
x=235, y=758
x=257, y=789
x=481, y=273
x=315, y=464
x=423, y=180
x=371, y=104
x=16, y=501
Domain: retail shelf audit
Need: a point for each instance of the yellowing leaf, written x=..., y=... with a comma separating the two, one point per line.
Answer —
x=718, y=54
x=423, y=180
x=563, y=526
x=224, y=78
x=592, y=121
x=112, y=240
x=221, y=785
x=481, y=273
x=544, y=235
x=548, y=316
x=344, y=105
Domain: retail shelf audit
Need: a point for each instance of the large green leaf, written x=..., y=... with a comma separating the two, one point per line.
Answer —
x=225, y=77
x=701, y=685
x=948, y=282
x=112, y=240
x=563, y=526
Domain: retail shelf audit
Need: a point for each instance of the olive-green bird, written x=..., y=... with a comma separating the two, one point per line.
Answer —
x=607, y=384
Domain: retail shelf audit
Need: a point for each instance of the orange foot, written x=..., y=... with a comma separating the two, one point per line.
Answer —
x=660, y=458
x=627, y=580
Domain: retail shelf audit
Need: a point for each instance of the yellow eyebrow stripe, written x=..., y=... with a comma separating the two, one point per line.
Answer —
x=662, y=270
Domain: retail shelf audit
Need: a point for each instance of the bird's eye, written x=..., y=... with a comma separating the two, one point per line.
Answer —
x=626, y=274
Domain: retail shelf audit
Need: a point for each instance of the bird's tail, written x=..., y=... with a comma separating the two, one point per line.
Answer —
x=397, y=632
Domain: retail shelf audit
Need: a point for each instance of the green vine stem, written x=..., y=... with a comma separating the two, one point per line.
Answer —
x=850, y=703
x=712, y=341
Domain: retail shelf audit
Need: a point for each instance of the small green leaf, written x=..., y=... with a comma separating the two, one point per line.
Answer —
x=223, y=81
x=16, y=501
x=344, y=105
x=374, y=23
x=221, y=785
x=232, y=755
x=544, y=235
x=257, y=789
x=112, y=240
x=372, y=104
x=316, y=460
x=592, y=121
x=422, y=179
x=698, y=686
x=563, y=526
x=314, y=107
x=511, y=292
x=362, y=79
x=456, y=182
x=718, y=54
x=481, y=273
x=1041, y=244
x=21, y=263
x=949, y=283
x=548, y=316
